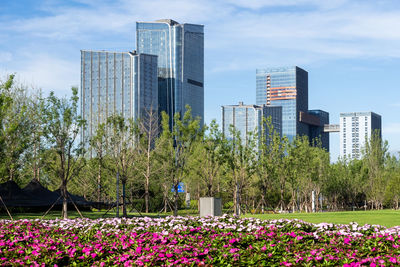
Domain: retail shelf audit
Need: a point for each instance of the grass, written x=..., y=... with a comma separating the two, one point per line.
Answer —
x=387, y=218
x=72, y=214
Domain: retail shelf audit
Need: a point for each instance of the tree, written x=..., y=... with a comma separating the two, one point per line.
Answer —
x=208, y=157
x=241, y=161
x=271, y=150
x=176, y=146
x=98, y=144
x=5, y=104
x=15, y=128
x=61, y=127
x=146, y=134
x=375, y=154
x=121, y=145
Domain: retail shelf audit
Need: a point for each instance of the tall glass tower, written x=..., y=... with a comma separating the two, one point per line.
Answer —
x=286, y=87
x=122, y=83
x=180, y=51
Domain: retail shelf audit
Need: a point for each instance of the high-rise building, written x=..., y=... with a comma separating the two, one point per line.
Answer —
x=288, y=87
x=116, y=83
x=249, y=118
x=316, y=131
x=180, y=51
x=355, y=129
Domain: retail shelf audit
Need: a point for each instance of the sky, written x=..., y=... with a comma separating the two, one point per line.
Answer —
x=350, y=48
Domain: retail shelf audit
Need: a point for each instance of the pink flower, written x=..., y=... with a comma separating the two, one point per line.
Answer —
x=233, y=250
x=346, y=241
x=264, y=248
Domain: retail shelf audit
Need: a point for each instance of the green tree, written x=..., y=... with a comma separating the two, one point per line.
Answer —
x=146, y=133
x=241, y=162
x=208, y=157
x=375, y=154
x=61, y=125
x=176, y=146
x=98, y=144
x=15, y=128
x=271, y=152
x=121, y=145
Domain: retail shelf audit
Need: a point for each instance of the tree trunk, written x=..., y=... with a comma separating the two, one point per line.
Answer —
x=236, y=200
x=124, y=214
x=146, y=194
x=99, y=185
x=65, y=202
x=176, y=196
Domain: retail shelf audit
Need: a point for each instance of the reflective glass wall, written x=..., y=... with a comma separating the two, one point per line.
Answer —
x=286, y=87
x=116, y=83
x=180, y=51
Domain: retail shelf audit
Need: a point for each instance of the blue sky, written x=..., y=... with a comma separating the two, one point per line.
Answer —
x=350, y=48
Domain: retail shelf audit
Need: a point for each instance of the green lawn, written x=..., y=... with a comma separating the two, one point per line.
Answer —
x=88, y=214
x=387, y=218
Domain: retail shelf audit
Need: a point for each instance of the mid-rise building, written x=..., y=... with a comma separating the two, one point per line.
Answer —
x=355, y=129
x=288, y=87
x=122, y=83
x=248, y=119
x=180, y=51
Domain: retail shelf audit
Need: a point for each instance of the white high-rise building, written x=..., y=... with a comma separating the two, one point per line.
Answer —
x=355, y=128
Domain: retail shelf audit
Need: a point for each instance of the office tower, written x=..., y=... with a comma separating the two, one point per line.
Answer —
x=316, y=130
x=180, y=51
x=248, y=118
x=116, y=83
x=286, y=87
x=355, y=129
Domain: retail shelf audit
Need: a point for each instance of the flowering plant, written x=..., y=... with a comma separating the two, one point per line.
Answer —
x=172, y=241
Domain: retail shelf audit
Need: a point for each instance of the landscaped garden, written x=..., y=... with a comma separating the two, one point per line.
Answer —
x=196, y=241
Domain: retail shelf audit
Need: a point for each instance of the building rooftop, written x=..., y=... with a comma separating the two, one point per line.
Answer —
x=169, y=21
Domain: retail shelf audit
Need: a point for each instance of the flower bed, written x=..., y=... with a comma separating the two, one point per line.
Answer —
x=196, y=241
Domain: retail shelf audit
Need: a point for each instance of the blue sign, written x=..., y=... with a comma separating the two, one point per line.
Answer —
x=180, y=188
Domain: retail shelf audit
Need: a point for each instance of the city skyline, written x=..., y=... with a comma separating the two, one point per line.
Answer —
x=352, y=60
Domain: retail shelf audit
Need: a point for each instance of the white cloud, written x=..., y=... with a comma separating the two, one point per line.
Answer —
x=391, y=128
x=49, y=73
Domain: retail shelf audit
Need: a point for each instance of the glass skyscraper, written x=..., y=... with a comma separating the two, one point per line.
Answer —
x=286, y=87
x=116, y=83
x=249, y=118
x=180, y=51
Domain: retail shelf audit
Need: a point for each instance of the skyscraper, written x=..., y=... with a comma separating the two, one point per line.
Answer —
x=355, y=129
x=249, y=118
x=180, y=51
x=286, y=87
x=116, y=83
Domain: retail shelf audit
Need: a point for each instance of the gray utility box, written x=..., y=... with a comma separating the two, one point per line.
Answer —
x=210, y=206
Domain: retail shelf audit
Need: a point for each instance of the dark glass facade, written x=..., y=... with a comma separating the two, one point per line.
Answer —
x=286, y=87
x=317, y=131
x=180, y=51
